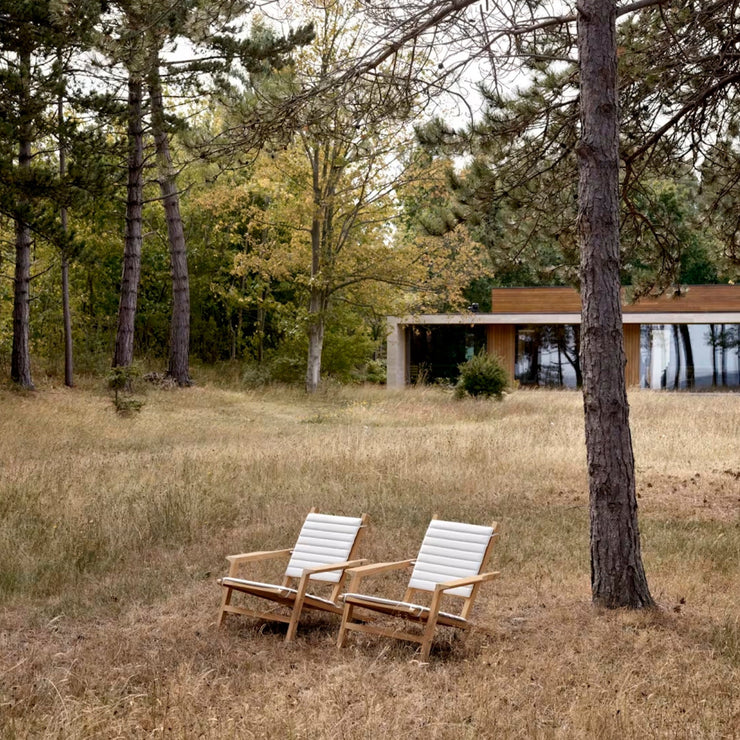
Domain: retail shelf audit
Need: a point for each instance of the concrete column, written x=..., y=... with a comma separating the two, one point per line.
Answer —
x=396, y=353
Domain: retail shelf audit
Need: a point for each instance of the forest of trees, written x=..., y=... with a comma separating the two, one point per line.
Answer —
x=217, y=181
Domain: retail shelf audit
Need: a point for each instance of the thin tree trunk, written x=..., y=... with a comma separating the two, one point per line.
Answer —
x=20, y=363
x=178, y=369
x=713, y=341
x=317, y=297
x=617, y=574
x=688, y=354
x=579, y=373
x=124, y=351
x=66, y=311
x=67, y=315
x=677, y=347
x=317, y=306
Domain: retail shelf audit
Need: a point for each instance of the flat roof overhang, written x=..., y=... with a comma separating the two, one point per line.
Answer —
x=470, y=319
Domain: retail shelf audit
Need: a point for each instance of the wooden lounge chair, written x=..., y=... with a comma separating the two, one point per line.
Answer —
x=325, y=549
x=449, y=564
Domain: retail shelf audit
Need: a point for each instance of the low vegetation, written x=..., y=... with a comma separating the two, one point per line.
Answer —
x=482, y=375
x=113, y=530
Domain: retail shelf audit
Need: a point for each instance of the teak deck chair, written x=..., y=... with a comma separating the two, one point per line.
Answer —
x=323, y=552
x=449, y=563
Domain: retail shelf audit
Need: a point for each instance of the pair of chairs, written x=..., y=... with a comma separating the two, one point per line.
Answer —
x=449, y=564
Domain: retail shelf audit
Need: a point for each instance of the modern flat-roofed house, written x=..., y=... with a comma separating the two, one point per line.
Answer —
x=686, y=340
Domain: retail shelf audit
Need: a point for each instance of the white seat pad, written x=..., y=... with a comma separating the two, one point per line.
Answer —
x=243, y=584
x=417, y=609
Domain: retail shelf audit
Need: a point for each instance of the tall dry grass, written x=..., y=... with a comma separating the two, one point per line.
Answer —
x=112, y=532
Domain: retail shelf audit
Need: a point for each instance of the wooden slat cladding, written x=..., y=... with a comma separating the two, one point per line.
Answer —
x=632, y=351
x=535, y=300
x=693, y=299
x=501, y=341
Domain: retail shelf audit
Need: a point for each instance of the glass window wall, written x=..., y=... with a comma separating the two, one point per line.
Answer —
x=689, y=356
x=548, y=355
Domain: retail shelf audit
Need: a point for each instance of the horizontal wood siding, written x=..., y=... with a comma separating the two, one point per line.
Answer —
x=693, y=299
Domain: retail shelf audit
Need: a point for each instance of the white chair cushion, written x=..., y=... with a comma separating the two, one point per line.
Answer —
x=450, y=550
x=324, y=539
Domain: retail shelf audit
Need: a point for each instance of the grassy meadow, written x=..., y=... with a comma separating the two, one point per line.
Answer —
x=113, y=531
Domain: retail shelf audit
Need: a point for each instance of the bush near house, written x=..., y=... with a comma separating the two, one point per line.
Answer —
x=482, y=375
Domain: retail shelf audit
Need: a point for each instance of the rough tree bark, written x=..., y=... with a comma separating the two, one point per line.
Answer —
x=178, y=368
x=123, y=355
x=617, y=574
x=20, y=362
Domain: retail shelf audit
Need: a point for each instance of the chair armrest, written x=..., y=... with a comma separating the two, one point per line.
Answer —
x=250, y=557
x=372, y=568
x=467, y=581
x=334, y=566
x=357, y=574
x=257, y=555
x=308, y=572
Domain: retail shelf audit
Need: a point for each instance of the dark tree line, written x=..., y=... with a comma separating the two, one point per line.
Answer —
x=75, y=58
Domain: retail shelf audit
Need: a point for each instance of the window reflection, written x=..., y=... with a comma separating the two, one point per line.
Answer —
x=548, y=355
x=676, y=356
x=436, y=352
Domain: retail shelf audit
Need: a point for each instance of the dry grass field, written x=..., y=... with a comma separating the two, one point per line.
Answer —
x=113, y=531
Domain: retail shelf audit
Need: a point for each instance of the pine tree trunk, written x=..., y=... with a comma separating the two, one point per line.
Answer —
x=617, y=574
x=67, y=316
x=20, y=362
x=178, y=369
x=124, y=352
x=66, y=310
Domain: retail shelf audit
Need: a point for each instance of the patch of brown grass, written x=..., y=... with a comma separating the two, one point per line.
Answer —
x=112, y=532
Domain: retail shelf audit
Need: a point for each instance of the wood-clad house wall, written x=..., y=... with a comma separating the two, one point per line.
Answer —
x=693, y=298
x=632, y=350
x=543, y=301
x=501, y=341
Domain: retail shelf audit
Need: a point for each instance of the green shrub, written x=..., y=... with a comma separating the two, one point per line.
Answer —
x=482, y=375
x=375, y=372
x=121, y=382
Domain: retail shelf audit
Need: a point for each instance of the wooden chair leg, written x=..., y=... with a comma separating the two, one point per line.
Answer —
x=300, y=597
x=346, y=617
x=294, y=617
x=224, y=603
x=431, y=625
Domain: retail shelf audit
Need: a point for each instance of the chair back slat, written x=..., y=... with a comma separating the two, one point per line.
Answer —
x=324, y=539
x=450, y=550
